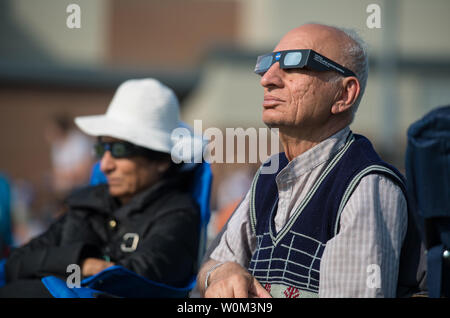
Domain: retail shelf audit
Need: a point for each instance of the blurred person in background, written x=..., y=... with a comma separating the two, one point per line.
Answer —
x=333, y=221
x=6, y=237
x=26, y=223
x=230, y=192
x=143, y=219
x=71, y=155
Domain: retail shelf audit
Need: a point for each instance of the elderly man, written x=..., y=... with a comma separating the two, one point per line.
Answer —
x=333, y=220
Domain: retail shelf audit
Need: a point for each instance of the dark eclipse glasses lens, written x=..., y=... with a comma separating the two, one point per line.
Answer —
x=299, y=59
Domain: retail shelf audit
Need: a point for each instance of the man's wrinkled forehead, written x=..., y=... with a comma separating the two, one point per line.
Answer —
x=320, y=38
x=295, y=40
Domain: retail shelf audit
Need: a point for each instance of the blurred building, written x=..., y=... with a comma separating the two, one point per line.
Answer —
x=47, y=67
x=205, y=50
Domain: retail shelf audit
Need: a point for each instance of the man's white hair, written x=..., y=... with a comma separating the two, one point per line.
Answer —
x=356, y=55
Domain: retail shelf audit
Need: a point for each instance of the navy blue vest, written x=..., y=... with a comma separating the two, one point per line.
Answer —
x=289, y=260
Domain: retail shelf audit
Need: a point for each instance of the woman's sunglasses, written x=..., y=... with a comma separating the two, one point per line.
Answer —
x=118, y=149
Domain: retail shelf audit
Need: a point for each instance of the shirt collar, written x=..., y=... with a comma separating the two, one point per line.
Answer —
x=314, y=157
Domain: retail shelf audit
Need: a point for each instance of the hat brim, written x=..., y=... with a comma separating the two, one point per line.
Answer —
x=102, y=125
x=154, y=139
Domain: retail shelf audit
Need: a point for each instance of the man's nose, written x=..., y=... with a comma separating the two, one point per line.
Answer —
x=107, y=163
x=273, y=76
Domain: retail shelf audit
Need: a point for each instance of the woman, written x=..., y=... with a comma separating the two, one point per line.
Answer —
x=143, y=219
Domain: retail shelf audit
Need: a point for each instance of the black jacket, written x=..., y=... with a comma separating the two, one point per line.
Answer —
x=156, y=235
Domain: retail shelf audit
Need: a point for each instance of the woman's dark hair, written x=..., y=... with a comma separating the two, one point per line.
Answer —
x=152, y=155
x=183, y=178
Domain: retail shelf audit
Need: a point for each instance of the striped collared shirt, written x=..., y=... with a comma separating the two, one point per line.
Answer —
x=362, y=260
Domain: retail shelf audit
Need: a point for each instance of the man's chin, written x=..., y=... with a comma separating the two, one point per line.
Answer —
x=271, y=122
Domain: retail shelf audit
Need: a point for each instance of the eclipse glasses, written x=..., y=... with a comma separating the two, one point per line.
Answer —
x=308, y=59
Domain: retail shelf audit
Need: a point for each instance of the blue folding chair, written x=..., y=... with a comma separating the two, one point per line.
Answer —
x=5, y=216
x=5, y=224
x=97, y=176
x=118, y=281
x=428, y=181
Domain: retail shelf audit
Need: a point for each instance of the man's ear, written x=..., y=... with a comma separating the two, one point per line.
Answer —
x=348, y=94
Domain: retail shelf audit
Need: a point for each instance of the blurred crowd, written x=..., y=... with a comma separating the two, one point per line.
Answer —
x=71, y=154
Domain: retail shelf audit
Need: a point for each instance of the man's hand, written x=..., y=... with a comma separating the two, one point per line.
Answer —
x=92, y=266
x=231, y=280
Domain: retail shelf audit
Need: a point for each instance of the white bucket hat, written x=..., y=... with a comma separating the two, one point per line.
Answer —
x=144, y=112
